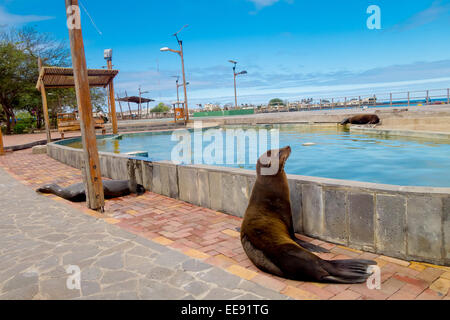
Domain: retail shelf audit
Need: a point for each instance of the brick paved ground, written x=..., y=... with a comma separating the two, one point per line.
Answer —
x=21, y=139
x=212, y=237
x=40, y=238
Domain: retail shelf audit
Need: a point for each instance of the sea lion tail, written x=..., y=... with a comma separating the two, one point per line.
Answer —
x=349, y=271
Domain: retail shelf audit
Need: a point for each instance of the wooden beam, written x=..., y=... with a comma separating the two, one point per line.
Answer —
x=112, y=101
x=2, y=150
x=91, y=175
x=109, y=103
x=44, y=104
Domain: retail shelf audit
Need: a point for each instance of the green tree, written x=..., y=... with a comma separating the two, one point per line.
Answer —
x=15, y=79
x=161, y=107
x=19, y=52
x=276, y=102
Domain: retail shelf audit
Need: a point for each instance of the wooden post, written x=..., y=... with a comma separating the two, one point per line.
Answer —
x=428, y=97
x=139, y=105
x=129, y=108
x=174, y=114
x=390, y=95
x=44, y=104
x=409, y=99
x=109, y=103
x=120, y=106
x=91, y=175
x=2, y=150
x=112, y=102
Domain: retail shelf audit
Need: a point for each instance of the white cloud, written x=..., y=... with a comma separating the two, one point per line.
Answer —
x=264, y=3
x=437, y=10
x=215, y=83
x=7, y=18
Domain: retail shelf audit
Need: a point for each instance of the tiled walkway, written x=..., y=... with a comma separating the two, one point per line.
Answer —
x=41, y=238
x=212, y=237
x=21, y=139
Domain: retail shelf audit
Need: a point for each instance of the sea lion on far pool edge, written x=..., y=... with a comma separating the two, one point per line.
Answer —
x=362, y=119
x=76, y=192
x=267, y=238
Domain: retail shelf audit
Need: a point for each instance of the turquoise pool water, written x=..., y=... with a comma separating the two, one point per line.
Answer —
x=336, y=154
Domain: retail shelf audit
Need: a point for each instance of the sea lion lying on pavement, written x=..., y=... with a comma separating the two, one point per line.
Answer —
x=362, y=119
x=76, y=192
x=268, y=238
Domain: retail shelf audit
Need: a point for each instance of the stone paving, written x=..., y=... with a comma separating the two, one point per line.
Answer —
x=40, y=238
x=211, y=237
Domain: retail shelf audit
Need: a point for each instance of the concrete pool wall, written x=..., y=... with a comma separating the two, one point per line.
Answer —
x=411, y=223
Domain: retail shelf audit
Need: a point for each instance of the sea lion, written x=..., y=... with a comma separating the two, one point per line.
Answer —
x=267, y=234
x=362, y=119
x=76, y=192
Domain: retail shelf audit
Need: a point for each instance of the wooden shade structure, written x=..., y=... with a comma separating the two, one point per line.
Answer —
x=135, y=99
x=57, y=78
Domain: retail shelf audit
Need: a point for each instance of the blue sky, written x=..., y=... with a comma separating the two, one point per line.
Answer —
x=291, y=49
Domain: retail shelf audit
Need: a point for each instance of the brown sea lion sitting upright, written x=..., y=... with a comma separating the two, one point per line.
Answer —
x=268, y=238
x=362, y=119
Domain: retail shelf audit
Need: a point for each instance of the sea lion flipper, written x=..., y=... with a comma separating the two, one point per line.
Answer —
x=348, y=271
x=309, y=246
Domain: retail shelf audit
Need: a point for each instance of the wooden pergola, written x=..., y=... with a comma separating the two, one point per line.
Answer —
x=58, y=78
x=138, y=101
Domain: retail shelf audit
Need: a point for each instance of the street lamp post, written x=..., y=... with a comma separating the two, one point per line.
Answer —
x=235, y=75
x=178, y=86
x=180, y=52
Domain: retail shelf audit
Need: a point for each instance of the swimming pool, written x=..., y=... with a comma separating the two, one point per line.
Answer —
x=335, y=153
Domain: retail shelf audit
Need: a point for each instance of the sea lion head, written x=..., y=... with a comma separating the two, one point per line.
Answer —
x=272, y=162
x=345, y=121
x=48, y=188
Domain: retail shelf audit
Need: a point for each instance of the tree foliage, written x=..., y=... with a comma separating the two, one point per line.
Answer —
x=19, y=53
x=161, y=107
x=276, y=102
